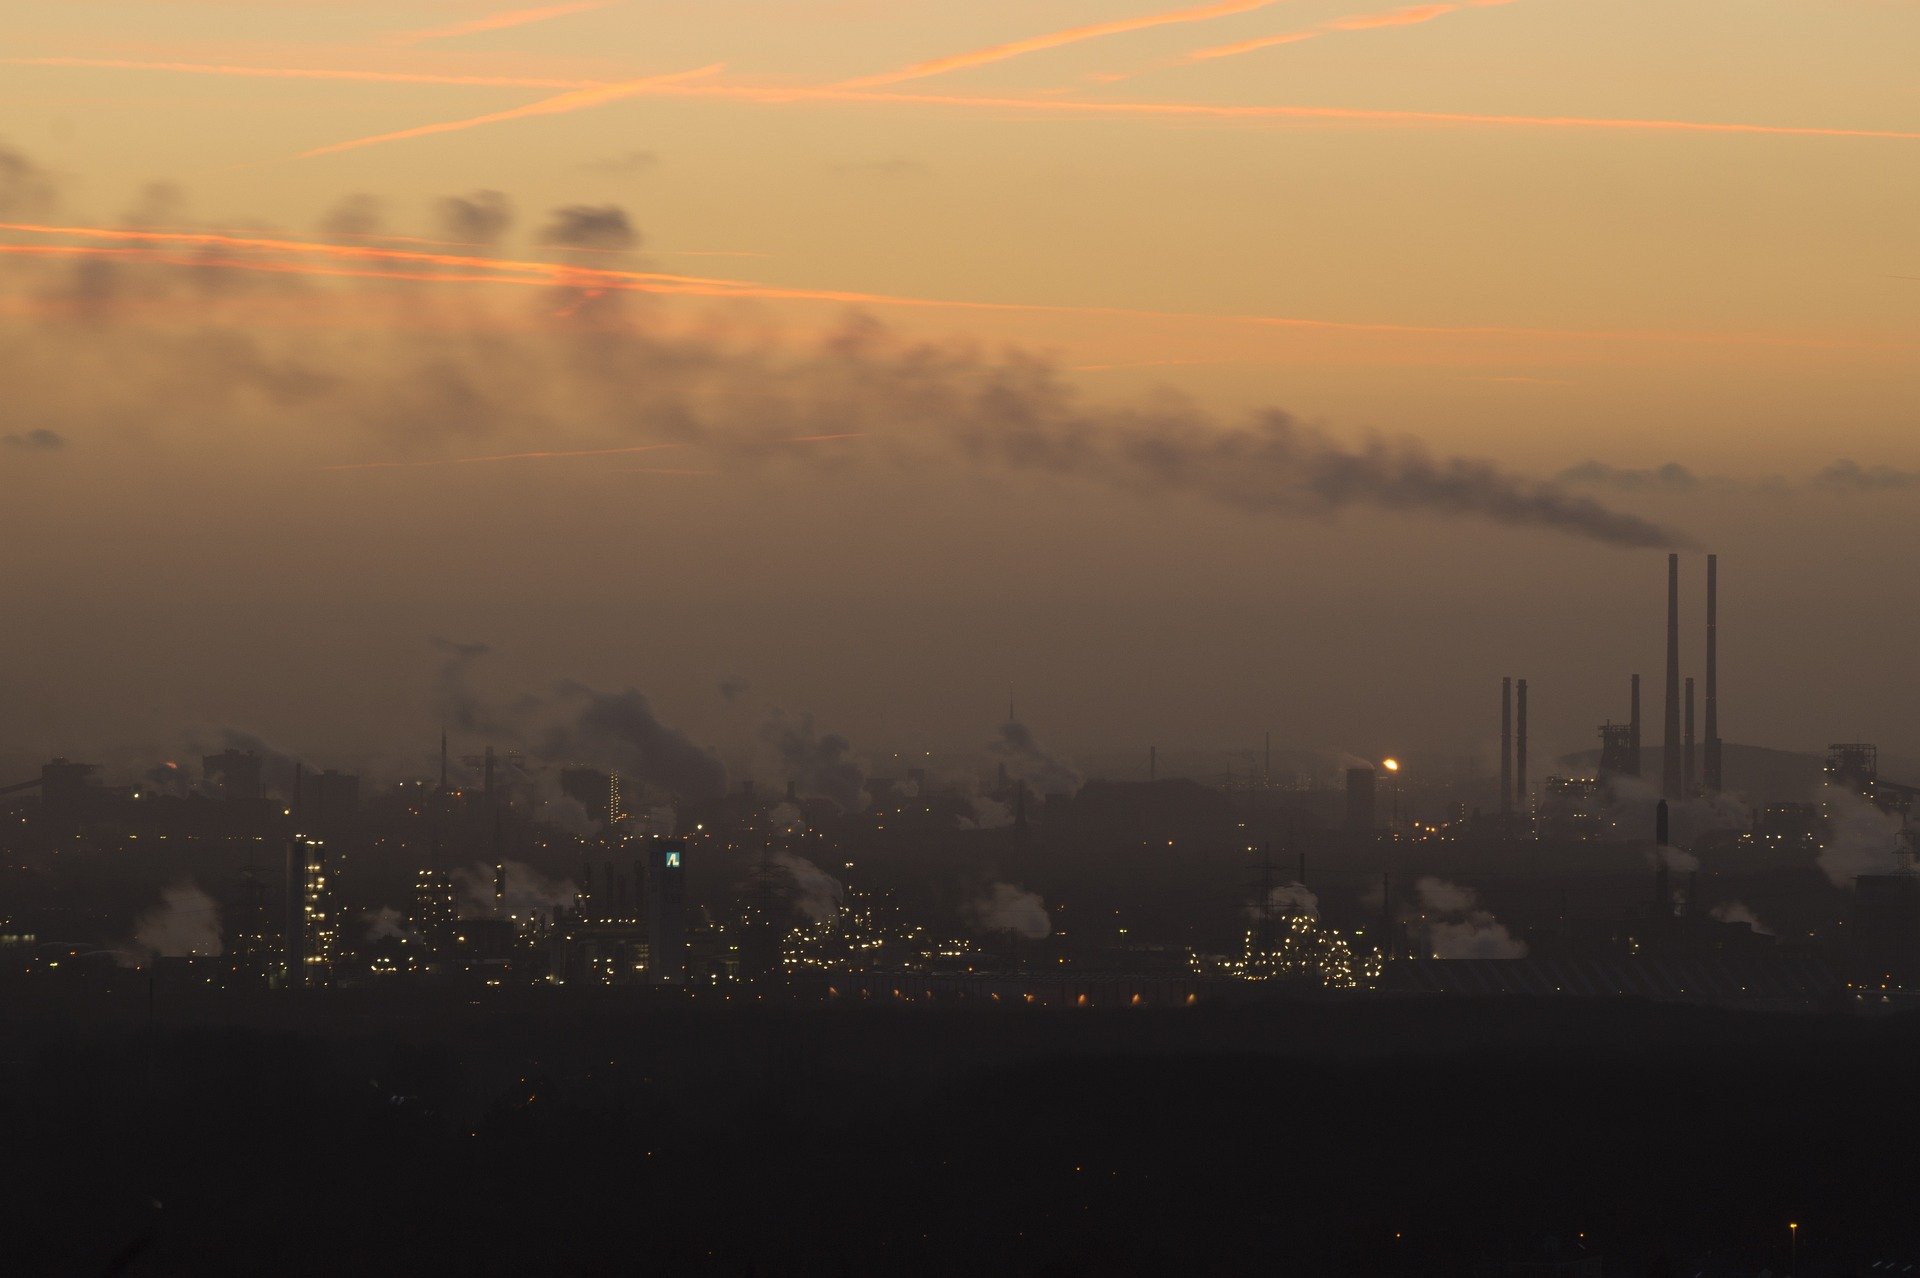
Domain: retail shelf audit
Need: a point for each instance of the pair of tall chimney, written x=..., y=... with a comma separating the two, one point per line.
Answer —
x=1677, y=771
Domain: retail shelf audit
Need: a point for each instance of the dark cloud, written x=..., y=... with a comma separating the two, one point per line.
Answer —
x=355, y=217
x=1847, y=475
x=731, y=688
x=26, y=189
x=619, y=732
x=461, y=709
x=619, y=375
x=1672, y=477
x=39, y=440
x=482, y=217
x=820, y=764
x=587, y=226
x=1027, y=760
x=1842, y=476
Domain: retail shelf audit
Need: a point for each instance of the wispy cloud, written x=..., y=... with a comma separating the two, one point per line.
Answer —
x=1841, y=476
x=501, y=21
x=1057, y=39
x=562, y=104
x=1406, y=16
x=216, y=250
x=771, y=95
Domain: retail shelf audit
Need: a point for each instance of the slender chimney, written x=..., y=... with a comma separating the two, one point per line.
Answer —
x=1670, y=778
x=1520, y=751
x=1506, y=746
x=1634, y=724
x=1662, y=887
x=1687, y=770
x=1712, y=780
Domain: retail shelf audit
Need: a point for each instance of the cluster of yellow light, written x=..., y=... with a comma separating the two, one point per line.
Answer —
x=1304, y=951
x=859, y=938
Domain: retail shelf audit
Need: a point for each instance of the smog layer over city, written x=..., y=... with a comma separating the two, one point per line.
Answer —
x=1069, y=637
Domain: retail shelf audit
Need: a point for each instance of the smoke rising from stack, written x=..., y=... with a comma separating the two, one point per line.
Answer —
x=185, y=922
x=820, y=764
x=1456, y=926
x=1027, y=760
x=529, y=892
x=1006, y=908
x=817, y=895
x=574, y=723
x=1288, y=900
x=1861, y=839
x=613, y=369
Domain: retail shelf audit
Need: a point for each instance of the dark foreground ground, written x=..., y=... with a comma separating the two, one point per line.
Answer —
x=354, y=1135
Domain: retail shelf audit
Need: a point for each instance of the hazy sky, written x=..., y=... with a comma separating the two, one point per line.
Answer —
x=954, y=332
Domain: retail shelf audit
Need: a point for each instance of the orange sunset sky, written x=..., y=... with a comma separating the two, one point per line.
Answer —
x=882, y=353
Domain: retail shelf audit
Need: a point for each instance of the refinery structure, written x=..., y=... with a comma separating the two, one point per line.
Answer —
x=1692, y=874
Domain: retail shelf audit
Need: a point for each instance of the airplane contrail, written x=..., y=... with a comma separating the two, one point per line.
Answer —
x=501, y=21
x=548, y=275
x=572, y=100
x=1407, y=16
x=310, y=73
x=1055, y=40
x=779, y=96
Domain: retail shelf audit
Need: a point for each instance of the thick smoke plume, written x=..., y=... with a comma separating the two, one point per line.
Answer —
x=386, y=924
x=38, y=440
x=1456, y=926
x=529, y=892
x=1739, y=912
x=185, y=922
x=817, y=895
x=1841, y=476
x=1006, y=908
x=627, y=370
x=593, y=227
x=820, y=764
x=1288, y=900
x=1633, y=811
x=481, y=218
x=613, y=731
x=1861, y=839
x=988, y=814
x=619, y=731
x=1027, y=760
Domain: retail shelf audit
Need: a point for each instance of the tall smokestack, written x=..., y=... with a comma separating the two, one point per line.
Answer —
x=1687, y=770
x=1670, y=778
x=1506, y=746
x=1634, y=724
x=1712, y=779
x=1520, y=751
x=1662, y=885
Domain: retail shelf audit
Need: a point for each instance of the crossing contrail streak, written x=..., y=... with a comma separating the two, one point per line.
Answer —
x=1056, y=40
x=501, y=21
x=573, y=100
x=781, y=96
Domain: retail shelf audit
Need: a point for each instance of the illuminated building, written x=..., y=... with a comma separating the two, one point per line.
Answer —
x=432, y=915
x=667, y=912
x=314, y=932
